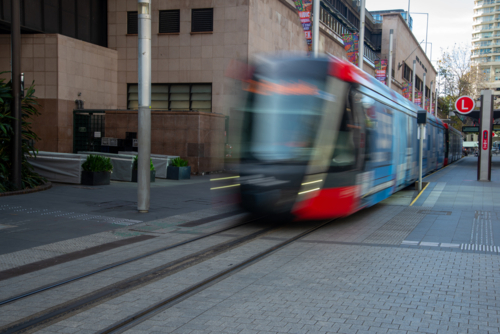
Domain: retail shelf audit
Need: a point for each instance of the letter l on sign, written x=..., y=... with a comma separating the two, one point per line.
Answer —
x=465, y=104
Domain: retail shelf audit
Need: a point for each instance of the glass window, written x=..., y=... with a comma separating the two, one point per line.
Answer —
x=169, y=21
x=132, y=23
x=195, y=97
x=202, y=20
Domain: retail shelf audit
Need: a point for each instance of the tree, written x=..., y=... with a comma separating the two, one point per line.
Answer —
x=29, y=178
x=459, y=76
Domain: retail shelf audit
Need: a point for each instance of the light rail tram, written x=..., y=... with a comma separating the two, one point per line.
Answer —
x=322, y=139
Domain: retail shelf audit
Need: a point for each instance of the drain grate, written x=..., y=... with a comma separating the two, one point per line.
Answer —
x=431, y=212
x=397, y=229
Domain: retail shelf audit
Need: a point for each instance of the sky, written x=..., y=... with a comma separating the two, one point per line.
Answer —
x=450, y=21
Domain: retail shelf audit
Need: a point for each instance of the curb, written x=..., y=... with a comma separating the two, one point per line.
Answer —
x=43, y=187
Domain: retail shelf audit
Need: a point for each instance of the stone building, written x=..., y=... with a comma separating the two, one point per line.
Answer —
x=406, y=49
x=85, y=51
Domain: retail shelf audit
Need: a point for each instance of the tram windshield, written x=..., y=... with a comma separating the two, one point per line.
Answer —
x=281, y=119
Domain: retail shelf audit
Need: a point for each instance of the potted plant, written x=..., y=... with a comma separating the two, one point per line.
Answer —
x=152, y=171
x=178, y=170
x=96, y=171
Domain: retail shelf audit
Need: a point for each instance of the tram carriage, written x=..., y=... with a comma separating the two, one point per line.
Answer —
x=454, y=142
x=322, y=139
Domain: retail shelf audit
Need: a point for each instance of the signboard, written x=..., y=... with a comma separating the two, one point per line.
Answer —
x=351, y=47
x=464, y=105
x=485, y=140
x=304, y=7
x=469, y=129
x=381, y=70
x=407, y=90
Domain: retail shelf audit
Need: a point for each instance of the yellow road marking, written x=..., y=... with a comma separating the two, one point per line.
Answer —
x=232, y=185
x=225, y=178
x=419, y=194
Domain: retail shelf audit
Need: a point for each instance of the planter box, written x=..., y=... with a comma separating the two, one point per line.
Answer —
x=96, y=178
x=151, y=173
x=178, y=173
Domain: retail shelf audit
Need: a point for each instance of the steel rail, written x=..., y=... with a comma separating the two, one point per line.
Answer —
x=129, y=284
x=151, y=311
x=114, y=265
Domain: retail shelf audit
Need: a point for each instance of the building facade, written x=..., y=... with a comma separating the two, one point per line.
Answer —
x=193, y=43
x=406, y=49
x=486, y=42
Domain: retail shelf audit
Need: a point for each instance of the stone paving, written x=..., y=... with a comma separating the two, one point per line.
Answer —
x=394, y=268
x=333, y=282
x=68, y=211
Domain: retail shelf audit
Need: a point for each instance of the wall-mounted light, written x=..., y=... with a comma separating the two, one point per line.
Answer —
x=143, y=8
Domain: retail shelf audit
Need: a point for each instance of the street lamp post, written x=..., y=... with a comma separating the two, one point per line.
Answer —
x=426, y=29
x=315, y=32
x=17, y=153
x=408, y=15
x=144, y=110
x=362, y=35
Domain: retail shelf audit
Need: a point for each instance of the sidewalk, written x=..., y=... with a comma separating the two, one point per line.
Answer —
x=69, y=211
x=461, y=212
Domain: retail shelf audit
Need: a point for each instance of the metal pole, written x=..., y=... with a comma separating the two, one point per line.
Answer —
x=421, y=149
x=408, y=15
x=422, y=103
x=430, y=97
x=144, y=110
x=315, y=36
x=426, y=30
x=437, y=101
x=426, y=34
x=389, y=76
x=361, y=42
x=413, y=81
x=16, y=93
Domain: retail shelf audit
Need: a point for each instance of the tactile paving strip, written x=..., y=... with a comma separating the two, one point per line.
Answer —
x=397, y=229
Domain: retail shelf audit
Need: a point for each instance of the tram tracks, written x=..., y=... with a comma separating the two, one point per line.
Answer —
x=82, y=303
x=117, y=264
x=46, y=288
x=147, y=313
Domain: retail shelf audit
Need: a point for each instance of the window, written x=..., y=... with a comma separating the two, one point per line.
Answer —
x=169, y=21
x=132, y=23
x=195, y=97
x=418, y=83
x=202, y=20
x=407, y=72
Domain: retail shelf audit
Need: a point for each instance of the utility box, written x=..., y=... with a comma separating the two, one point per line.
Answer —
x=421, y=116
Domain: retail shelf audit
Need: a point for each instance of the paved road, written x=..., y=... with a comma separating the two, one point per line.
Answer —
x=71, y=211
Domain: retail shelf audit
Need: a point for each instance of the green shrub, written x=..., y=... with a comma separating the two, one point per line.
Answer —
x=29, y=178
x=151, y=166
x=97, y=163
x=178, y=162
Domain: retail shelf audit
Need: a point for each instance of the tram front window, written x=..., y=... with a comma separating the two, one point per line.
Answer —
x=281, y=127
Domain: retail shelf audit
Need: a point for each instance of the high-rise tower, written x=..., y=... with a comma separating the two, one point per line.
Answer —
x=486, y=41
